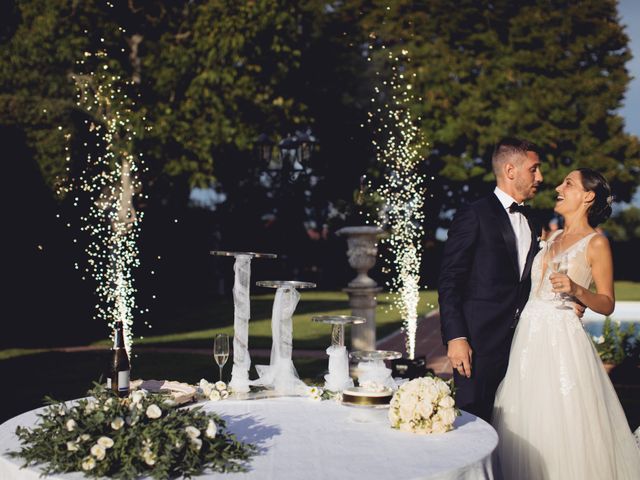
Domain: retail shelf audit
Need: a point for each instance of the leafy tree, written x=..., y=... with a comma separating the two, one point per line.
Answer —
x=552, y=71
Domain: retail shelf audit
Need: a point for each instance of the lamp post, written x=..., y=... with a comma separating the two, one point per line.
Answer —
x=285, y=173
x=289, y=160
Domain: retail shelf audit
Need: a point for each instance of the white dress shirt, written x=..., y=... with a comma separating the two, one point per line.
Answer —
x=520, y=228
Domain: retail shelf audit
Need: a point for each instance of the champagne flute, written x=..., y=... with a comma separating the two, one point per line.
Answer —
x=560, y=264
x=555, y=262
x=221, y=350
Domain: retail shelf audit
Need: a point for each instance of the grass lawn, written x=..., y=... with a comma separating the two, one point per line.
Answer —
x=39, y=371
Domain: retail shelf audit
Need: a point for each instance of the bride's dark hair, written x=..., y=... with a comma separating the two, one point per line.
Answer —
x=600, y=208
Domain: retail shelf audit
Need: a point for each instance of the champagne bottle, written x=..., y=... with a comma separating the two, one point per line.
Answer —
x=120, y=366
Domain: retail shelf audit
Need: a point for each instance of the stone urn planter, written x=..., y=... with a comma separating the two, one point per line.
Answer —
x=362, y=250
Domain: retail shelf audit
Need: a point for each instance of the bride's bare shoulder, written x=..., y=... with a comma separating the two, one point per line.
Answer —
x=599, y=243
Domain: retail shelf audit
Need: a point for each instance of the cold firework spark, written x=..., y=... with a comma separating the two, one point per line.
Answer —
x=402, y=189
x=110, y=179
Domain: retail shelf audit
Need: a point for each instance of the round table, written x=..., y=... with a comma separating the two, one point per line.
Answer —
x=304, y=439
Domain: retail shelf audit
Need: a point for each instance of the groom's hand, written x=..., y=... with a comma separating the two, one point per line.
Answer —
x=459, y=353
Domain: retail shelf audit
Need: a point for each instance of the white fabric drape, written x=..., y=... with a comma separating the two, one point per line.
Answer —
x=281, y=374
x=338, y=377
x=375, y=372
x=241, y=314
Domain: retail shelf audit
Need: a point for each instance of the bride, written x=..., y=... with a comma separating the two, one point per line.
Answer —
x=556, y=412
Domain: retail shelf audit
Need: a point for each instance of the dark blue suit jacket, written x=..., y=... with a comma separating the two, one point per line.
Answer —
x=480, y=290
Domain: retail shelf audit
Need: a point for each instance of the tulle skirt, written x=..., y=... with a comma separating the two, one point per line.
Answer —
x=556, y=412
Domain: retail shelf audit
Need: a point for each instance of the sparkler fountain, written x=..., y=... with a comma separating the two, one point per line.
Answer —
x=401, y=190
x=110, y=179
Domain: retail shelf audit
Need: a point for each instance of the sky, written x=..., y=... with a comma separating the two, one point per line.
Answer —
x=629, y=11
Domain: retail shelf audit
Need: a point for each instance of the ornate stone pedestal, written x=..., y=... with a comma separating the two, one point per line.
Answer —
x=362, y=251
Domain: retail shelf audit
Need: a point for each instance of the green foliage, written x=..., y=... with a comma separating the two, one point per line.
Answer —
x=625, y=225
x=617, y=343
x=212, y=74
x=104, y=435
x=551, y=71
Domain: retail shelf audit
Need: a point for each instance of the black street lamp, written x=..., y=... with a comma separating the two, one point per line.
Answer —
x=290, y=158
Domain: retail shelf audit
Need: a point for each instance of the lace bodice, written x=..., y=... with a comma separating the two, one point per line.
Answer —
x=579, y=268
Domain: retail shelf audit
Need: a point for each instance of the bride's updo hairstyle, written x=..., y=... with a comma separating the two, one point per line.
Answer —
x=595, y=182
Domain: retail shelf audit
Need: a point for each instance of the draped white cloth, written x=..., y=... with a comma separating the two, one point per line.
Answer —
x=241, y=314
x=338, y=377
x=556, y=412
x=302, y=439
x=281, y=374
x=375, y=372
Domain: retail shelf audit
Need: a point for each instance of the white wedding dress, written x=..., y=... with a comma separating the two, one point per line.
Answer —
x=556, y=412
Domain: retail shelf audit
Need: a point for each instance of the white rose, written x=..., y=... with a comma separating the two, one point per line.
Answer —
x=406, y=427
x=424, y=409
x=431, y=391
x=448, y=415
x=224, y=394
x=138, y=396
x=406, y=411
x=98, y=451
x=61, y=410
x=90, y=407
x=72, y=446
x=71, y=425
x=393, y=417
x=439, y=427
x=212, y=429
x=206, y=387
x=447, y=402
x=105, y=442
x=153, y=411
x=443, y=388
x=214, y=395
x=117, y=423
x=149, y=457
x=178, y=444
x=107, y=404
x=88, y=463
x=84, y=437
x=220, y=385
x=169, y=403
x=599, y=340
x=316, y=398
x=192, y=432
x=197, y=443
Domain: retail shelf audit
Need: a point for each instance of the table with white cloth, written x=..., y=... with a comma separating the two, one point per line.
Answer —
x=299, y=438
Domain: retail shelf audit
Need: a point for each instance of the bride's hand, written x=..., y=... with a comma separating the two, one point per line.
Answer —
x=561, y=283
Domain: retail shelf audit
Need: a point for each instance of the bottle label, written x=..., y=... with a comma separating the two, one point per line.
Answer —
x=123, y=381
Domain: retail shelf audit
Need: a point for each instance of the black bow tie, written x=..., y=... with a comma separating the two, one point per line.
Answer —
x=523, y=209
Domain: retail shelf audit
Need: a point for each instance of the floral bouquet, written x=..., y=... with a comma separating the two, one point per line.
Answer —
x=423, y=405
x=142, y=434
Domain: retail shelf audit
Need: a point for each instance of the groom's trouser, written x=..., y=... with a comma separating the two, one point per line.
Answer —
x=477, y=393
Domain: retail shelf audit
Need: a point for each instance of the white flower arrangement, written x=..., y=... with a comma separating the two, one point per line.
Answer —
x=315, y=393
x=138, y=435
x=423, y=405
x=212, y=391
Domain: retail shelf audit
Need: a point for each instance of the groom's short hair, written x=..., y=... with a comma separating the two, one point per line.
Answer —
x=511, y=149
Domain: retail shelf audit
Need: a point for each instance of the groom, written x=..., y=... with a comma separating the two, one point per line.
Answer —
x=485, y=276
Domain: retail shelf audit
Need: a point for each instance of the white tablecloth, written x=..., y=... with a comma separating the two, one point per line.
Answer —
x=303, y=439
